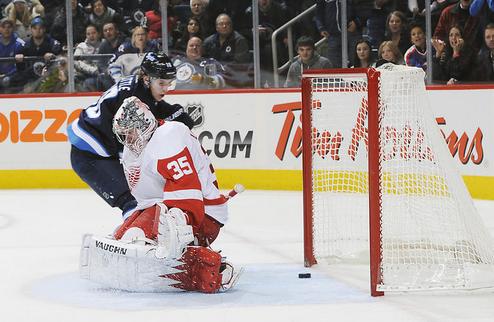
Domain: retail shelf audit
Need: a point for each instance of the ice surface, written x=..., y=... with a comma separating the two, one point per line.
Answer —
x=41, y=231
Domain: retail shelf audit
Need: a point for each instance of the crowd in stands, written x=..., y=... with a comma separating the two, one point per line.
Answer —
x=211, y=41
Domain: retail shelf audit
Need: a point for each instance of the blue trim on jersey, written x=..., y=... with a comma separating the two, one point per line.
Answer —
x=85, y=141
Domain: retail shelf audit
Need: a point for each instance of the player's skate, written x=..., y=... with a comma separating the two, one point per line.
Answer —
x=174, y=234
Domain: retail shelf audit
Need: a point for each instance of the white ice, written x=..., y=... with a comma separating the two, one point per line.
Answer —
x=40, y=235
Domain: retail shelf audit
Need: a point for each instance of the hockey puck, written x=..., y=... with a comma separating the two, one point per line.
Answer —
x=304, y=275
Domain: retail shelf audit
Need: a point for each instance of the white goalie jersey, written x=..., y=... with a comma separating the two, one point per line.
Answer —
x=174, y=169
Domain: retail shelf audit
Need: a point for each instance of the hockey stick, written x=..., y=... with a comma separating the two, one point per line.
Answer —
x=238, y=188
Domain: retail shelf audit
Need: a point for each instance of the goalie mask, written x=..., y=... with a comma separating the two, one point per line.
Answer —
x=134, y=124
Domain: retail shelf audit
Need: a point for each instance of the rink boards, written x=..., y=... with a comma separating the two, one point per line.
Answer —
x=252, y=136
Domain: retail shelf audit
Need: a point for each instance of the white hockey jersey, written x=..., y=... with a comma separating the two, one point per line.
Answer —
x=174, y=169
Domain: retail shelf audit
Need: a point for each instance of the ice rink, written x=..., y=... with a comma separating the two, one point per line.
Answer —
x=40, y=236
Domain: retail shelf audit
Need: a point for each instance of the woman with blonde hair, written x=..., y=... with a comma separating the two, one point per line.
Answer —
x=389, y=53
x=130, y=54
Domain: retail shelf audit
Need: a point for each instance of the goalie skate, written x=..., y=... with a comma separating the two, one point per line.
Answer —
x=229, y=276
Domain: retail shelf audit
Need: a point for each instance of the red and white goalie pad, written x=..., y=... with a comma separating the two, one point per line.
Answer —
x=132, y=266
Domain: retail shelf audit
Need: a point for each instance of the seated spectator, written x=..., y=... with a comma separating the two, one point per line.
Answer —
x=458, y=14
x=86, y=69
x=130, y=54
x=199, y=10
x=19, y=12
x=112, y=39
x=308, y=59
x=362, y=55
x=100, y=14
x=389, y=53
x=196, y=72
x=80, y=20
x=485, y=59
x=397, y=31
x=41, y=45
x=10, y=45
x=416, y=55
x=54, y=78
x=193, y=29
x=226, y=45
x=453, y=60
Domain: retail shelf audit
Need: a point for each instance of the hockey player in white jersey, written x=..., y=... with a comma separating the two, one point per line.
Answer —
x=179, y=214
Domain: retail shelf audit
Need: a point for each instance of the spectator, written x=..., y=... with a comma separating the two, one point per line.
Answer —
x=100, y=14
x=80, y=20
x=18, y=11
x=41, y=45
x=484, y=10
x=458, y=15
x=454, y=59
x=193, y=29
x=416, y=55
x=397, y=30
x=328, y=17
x=308, y=59
x=196, y=72
x=362, y=55
x=112, y=39
x=199, y=10
x=87, y=70
x=485, y=60
x=226, y=45
x=272, y=15
x=130, y=54
x=133, y=13
x=10, y=45
x=389, y=53
x=153, y=21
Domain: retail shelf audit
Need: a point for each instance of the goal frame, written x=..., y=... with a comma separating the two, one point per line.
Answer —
x=373, y=77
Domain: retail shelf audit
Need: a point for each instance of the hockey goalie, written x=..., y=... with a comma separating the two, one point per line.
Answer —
x=165, y=244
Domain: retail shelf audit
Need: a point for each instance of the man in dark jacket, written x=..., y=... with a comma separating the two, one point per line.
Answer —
x=485, y=60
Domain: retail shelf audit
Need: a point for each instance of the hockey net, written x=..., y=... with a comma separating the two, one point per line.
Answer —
x=379, y=180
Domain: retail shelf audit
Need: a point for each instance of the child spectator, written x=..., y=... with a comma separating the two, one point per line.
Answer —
x=416, y=55
x=389, y=53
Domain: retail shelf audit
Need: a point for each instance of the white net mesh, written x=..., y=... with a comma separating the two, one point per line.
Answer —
x=431, y=235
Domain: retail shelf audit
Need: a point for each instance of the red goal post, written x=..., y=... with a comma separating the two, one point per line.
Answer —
x=380, y=186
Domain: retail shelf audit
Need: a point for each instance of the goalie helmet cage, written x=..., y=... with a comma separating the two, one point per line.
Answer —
x=381, y=187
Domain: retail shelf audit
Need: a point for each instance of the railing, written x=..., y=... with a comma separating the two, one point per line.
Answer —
x=288, y=26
